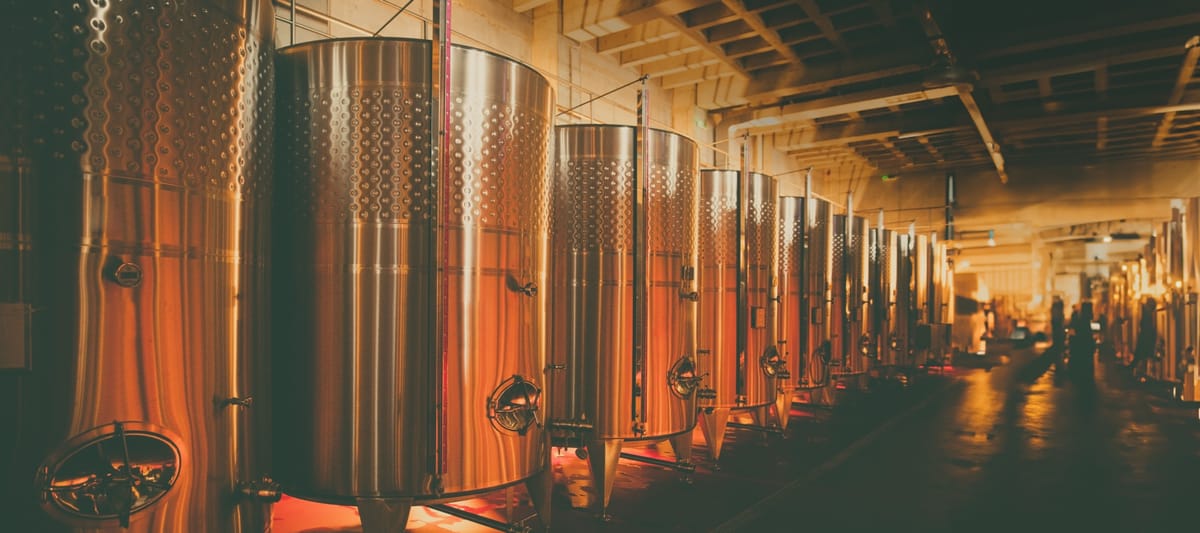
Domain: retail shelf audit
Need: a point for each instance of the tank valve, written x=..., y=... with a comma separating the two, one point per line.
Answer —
x=127, y=275
x=706, y=393
x=528, y=289
x=639, y=427
x=556, y=367
x=690, y=296
x=238, y=401
x=264, y=490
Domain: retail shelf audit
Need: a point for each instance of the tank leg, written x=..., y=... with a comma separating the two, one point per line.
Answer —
x=384, y=515
x=681, y=444
x=762, y=418
x=540, y=488
x=713, y=425
x=603, y=456
x=783, y=408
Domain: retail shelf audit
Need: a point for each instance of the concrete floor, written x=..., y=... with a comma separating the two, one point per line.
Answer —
x=1019, y=447
x=998, y=443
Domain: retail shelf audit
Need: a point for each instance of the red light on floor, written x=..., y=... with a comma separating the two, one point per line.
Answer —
x=841, y=385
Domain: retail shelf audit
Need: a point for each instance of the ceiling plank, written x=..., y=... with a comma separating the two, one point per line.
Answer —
x=1059, y=65
x=521, y=6
x=584, y=20
x=677, y=64
x=696, y=75
x=937, y=39
x=1026, y=45
x=676, y=46
x=883, y=10
x=650, y=32
x=822, y=77
x=756, y=22
x=1186, y=72
x=823, y=23
x=699, y=37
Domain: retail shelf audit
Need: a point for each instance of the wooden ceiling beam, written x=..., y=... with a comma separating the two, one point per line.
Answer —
x=1186, y=71
x=521, y=6
x=584, y=20
x=708, y=16
x=1025, y=44
x=643, y=34
x=702, y=40
x=1159, y=47
x=755, y=21
x=822, y=77
x=934, y=32
x=675, y=46
x=677, y=64
x=824, y=24
x=696, y=75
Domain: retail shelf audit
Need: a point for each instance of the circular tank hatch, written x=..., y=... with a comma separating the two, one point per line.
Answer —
x=682, y=377
x=513, y=405
x=771, y=362
x=108, y=474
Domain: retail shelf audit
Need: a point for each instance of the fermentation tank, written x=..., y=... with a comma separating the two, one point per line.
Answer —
x=624, y=292
x=738, y=267
x=792, y=311
x=814, y=368
x=904, y=317
x=851, y=346
x=1191, y=281
x=377, y=264
x=923, y=289
x=135, y=176
x=886, y=327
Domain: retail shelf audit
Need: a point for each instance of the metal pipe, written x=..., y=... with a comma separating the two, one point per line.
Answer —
x=479, y=519
x=293, y=23
x=742, y=313
x=641, y=180
x=752, y=427
x=682, y=467
x=393, y=17
x=322, y=33
x=642, y=79
x=570, y=425
x=439, y=157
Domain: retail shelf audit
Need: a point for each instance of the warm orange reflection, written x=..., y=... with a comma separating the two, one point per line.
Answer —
x=1038, y=412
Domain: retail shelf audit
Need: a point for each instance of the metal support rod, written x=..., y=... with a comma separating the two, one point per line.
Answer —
x=743, y=298
x=642, y=79
x=752, y=427
x=439, y=161
x=682, y=467
x=293, y=22
x=389, y=21
x=641, y=192
x=481, y=520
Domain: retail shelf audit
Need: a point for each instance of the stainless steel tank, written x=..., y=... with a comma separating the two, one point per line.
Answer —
x=923, y=293
x=135, y=178
x=852, y=347
x=617, y=379
x=885, y=315
x=904, y=317
x=1191, y=283
x=792, y=312
x=357, y=276
x=814, y=369
x=738, y=265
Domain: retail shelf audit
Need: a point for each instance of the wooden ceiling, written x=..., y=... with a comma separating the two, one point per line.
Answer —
x=906, y=85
